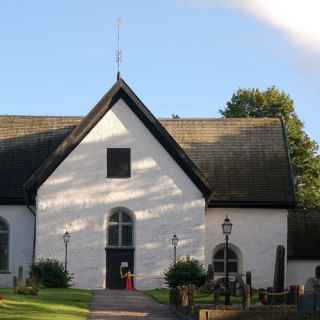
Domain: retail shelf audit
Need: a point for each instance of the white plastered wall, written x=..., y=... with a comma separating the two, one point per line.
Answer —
x=79, y=197
x=21, y=228
x=256, y=233
x=299, y=271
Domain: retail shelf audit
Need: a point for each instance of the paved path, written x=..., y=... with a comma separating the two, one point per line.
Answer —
x=122, y=304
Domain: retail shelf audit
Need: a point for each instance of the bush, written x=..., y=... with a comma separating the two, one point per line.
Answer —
x=51, y=274
x=185, y=272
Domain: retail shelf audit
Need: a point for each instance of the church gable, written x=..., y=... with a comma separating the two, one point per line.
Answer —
x=120, y=91
x=118, y=152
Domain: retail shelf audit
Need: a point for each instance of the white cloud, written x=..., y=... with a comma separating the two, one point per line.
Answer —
x=298, y=19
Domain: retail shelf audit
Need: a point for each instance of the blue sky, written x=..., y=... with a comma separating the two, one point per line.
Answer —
x=58, y=57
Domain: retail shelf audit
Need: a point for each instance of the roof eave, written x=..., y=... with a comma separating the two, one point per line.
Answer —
x=252, y=204
x=12, y=201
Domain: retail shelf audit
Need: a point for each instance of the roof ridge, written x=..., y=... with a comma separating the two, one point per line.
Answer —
x=159, y=118
x=37, y=116
x=217, y=119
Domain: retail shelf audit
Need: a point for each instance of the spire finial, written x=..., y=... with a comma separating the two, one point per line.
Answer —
x=118, y=52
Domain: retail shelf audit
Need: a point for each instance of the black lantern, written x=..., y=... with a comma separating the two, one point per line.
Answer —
x=174, y=242
x=226, y=230
x=66, y=238
x=227, y=227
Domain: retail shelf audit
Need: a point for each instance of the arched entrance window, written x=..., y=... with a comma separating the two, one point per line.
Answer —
x=219, y=260
x=120, y=228
x=4, y=246
x=120, y=247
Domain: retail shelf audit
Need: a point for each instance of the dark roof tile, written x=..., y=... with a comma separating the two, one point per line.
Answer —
x=244, y=160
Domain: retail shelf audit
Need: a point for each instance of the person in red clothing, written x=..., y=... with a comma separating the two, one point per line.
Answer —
x=129, y=284
x=129, y=279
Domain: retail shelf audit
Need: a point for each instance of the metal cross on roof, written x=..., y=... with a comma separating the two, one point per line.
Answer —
x=119, y=51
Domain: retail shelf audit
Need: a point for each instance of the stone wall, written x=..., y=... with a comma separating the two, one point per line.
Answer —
x=288, y=313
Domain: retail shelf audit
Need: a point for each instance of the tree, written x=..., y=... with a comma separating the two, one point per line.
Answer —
x=303, y=150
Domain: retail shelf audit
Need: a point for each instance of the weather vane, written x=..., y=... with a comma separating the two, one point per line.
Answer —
x=118, y=52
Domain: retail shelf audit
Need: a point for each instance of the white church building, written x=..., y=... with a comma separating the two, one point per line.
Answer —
x=123, y=182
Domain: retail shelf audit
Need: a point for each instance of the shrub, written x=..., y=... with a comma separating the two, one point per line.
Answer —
x=185, y=272
x=51, y=274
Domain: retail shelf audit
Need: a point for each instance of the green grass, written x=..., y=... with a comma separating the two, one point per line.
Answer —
x=162, y=296
x=55, y=304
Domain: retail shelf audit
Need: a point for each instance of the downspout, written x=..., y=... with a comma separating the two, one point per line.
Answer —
x=33, y=212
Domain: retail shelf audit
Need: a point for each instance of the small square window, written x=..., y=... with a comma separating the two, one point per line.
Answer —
x=118, y=163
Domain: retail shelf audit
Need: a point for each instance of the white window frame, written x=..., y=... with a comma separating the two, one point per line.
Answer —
x=120, y=224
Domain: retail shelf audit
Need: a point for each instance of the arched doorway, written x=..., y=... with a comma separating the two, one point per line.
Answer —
x=120, y=246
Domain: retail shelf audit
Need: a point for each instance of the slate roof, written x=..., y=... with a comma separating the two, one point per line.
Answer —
x=245, y=161
x=304, y=235
x=25, y=142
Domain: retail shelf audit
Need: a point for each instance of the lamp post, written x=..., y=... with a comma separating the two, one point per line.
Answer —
x=226, y=230
x=66, y=238
x=175, y=241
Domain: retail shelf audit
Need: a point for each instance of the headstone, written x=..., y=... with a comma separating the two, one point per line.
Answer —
x=20, y=274
x=246, y=300
x=279, y=269
x=191, y=290
x=15, y=282
x=184, y=296
x=210, y=273
x=249, y=281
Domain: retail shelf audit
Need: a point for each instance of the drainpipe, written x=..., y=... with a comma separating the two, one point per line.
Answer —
x=33, y=212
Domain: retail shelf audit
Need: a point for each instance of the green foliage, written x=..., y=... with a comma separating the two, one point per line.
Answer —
x=51, y=274
x=185, y=272
x=303, y=150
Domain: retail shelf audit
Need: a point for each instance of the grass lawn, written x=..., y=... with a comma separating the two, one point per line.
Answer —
x=56, y=304
x=162, y=296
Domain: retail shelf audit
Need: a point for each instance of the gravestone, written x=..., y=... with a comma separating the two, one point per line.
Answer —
x=20, y=274
x=249, y=281
x=15, y=283
x=279, y=268
x=210, y=273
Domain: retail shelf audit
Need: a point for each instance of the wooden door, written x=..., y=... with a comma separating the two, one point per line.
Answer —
x=114, y=258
